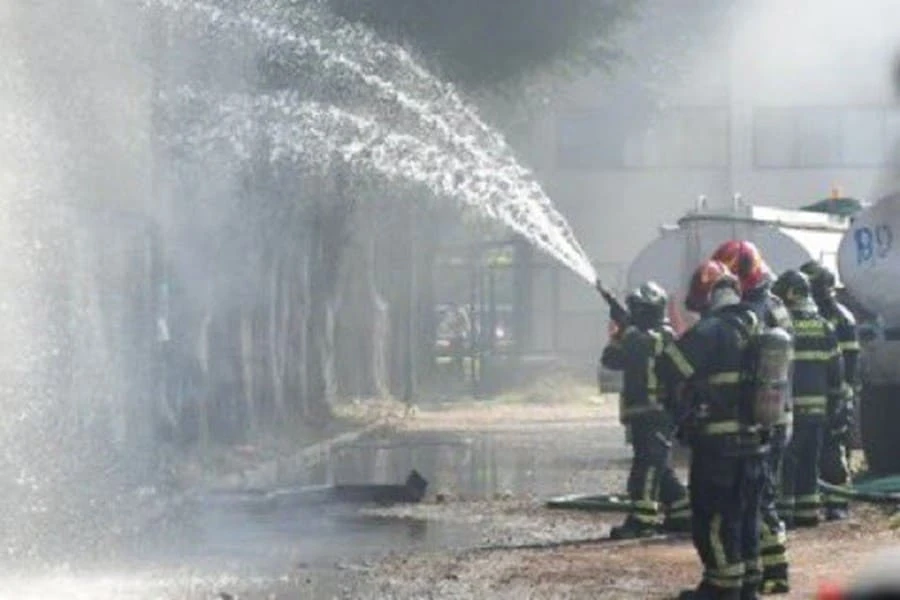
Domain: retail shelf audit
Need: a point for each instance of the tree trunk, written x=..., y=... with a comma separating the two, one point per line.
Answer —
x=322, y=383
x=363, y=323
x=328, y=240
x=204, y=397
x=429, y=242
x=397, y=244
x=248, y=366
x=278, y=334
x=298, y=317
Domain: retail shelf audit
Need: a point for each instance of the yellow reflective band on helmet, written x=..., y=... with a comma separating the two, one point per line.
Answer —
x=724, y=378
x=681, y=363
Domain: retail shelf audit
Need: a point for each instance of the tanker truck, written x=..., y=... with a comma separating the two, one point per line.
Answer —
x=869, y=266
x=786, y=237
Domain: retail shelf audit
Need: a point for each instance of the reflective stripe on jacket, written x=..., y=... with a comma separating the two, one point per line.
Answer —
x=818, y=366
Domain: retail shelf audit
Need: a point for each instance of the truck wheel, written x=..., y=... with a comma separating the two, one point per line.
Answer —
x=879, y=415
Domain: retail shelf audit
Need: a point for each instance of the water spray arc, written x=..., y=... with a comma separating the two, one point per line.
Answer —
x=310, y=132
x=496, y=185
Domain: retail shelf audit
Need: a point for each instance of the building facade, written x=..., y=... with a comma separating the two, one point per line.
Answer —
x=777, y=101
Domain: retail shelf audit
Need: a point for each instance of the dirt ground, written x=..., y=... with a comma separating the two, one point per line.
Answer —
x=648, y=569
x=527, y=551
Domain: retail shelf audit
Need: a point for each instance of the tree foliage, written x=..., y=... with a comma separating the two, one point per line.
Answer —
x=490, y=43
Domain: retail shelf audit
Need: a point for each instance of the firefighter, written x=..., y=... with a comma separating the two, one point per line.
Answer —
x=745, y=261
x=817, y=390
x=635, y=350
x=726, y=471
x=834, y=464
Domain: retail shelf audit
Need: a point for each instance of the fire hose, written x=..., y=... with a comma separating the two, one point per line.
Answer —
x=884, y=491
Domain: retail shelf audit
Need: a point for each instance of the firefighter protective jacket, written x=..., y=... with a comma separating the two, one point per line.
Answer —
x=818, y=367
x=709, y=359
x=636, y=353
x=848, y=339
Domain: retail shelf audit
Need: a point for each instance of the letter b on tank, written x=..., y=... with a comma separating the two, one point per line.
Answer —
x=873, y=243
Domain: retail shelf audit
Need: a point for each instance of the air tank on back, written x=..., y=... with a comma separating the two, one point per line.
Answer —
x=869, y=265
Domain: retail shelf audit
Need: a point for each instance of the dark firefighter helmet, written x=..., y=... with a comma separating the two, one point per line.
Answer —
x=647, y=303
x=821, y=278
x=793, y=288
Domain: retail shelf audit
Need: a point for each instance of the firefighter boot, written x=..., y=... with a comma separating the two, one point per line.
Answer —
x=632, y=529
x=773, y=586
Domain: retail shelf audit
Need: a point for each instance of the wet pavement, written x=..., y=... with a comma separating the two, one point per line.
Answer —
x=222, y=543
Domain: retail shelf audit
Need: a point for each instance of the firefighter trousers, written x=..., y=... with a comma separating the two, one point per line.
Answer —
x=726, y=493
x=834, y=469
x=652, y=480
x=800, y=501
x=773, y=536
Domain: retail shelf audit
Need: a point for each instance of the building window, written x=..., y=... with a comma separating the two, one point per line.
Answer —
x=810, y=137
x=684, y=137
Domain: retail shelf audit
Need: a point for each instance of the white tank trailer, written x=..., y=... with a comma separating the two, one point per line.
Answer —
x=869, y=265
x=787, y=238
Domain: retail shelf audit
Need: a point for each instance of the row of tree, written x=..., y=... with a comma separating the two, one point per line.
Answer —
x=296, y=282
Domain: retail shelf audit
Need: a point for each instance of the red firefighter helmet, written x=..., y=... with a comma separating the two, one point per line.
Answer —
x=744, y=260
x=705, y=278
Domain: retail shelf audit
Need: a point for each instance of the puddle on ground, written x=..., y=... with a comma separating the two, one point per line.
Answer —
x=217, y=542
x=542, y=461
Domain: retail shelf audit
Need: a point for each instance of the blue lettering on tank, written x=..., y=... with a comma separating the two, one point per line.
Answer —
x=873, y=243
x=863, y=238
x=884, y=239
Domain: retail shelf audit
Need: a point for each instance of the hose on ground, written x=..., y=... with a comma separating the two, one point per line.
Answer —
x=885, y=490
x=875, y=492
